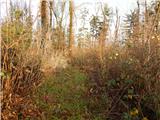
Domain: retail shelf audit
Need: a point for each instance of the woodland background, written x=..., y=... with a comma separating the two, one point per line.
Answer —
x=50, y=73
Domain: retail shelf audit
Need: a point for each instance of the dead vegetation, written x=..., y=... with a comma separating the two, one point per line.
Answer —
x=44, y=72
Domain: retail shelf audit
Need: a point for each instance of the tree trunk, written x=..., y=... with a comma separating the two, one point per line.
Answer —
x=71, y=36
x=44, y=22
x=51, y=12
x=102, y=39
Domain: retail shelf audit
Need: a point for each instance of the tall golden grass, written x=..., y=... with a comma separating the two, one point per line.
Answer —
x=120, y=76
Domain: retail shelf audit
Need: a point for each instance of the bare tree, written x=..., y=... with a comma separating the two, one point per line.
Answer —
x=59, y=29
x=71, y=36
x=51, y=11
x=44, y=21
x=104, y=30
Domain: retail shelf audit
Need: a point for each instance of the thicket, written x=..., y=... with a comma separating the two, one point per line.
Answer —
x=50, y=73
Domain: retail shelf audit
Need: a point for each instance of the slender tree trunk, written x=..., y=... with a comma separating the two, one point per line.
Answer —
x=51, y=12
x=71, y=36
x=117, y=26
x=102, y=39
x=103, y=33
x=44, y=22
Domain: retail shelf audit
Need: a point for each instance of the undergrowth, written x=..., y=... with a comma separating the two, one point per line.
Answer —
x=62, y=96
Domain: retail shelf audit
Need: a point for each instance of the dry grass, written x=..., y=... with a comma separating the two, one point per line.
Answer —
x=117, y=75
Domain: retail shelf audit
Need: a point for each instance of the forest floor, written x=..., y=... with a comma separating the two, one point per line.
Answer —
x=62, y=95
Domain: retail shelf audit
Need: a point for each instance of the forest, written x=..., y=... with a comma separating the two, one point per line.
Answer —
x=60, y=65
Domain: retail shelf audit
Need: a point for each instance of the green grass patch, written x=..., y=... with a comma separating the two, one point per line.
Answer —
x=62, y=95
